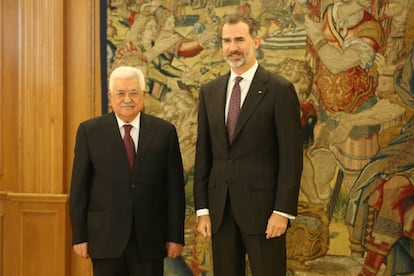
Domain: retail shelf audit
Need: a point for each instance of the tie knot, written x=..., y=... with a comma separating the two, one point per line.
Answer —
x=238, y=79
x=127, y=128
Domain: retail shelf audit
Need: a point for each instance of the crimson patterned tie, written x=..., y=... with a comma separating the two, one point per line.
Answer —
x=234, y=109
x=129, y=146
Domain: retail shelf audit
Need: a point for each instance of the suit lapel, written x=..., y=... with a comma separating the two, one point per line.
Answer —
x=219, y=97
x=114, y=138
x=144, y=139
x=256, y=93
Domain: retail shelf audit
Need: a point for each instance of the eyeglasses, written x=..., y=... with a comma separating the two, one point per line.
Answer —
x=133, y=94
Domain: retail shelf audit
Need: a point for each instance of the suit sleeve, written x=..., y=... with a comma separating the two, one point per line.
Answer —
x=203, y=159
x=175, y=192
x=289, y=135
x=79, y=189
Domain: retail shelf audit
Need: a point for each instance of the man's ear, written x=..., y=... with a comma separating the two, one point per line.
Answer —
x=257, y=42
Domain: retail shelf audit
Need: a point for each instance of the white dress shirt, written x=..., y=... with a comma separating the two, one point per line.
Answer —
x=134, y=130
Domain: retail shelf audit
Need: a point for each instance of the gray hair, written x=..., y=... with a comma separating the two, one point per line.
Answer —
x=127, y=72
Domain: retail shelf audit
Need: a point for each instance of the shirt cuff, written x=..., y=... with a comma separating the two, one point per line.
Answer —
x=202, y=212
x=284, y=214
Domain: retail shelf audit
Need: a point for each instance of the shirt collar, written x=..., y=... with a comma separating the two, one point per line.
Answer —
x=248, y=75
x=134, y=123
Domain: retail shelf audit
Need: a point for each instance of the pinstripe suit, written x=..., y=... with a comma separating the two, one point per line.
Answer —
x=260, y=171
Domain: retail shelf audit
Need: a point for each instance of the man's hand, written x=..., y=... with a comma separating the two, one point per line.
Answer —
x=174, y=249
x=276, y=226
x=81, y=249
x=204, y=226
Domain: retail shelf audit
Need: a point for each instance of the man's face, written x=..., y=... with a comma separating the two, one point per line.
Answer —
x=385, y=87
x=239, y=46
x=150, y=32
x=169, y=24
x=127, y=98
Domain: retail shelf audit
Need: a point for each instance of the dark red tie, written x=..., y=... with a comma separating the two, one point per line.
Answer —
x=129, y=146
x=234, y=109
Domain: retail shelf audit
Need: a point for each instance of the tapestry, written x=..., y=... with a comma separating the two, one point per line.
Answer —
x=352, y=65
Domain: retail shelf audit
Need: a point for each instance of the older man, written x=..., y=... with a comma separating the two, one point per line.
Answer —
x=127, y=202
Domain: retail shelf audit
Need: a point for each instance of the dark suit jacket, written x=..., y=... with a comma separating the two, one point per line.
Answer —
x=105, y=196
x=262, y=168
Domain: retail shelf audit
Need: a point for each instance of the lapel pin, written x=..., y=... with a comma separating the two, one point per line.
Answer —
x=260, y=91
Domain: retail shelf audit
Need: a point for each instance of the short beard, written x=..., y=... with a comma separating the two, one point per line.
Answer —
x=242, y=61
x=237, y=63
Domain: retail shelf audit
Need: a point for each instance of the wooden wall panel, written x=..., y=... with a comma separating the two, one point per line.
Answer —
x=1, y=90
x=83, y=98
x=35, y=226
x=38, y=234
x=49, y=83
x=8, y=93
x=32, y=98
x=40, y=96
x=3, y=196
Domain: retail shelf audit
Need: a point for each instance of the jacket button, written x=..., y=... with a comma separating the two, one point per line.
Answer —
x=133, y=186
